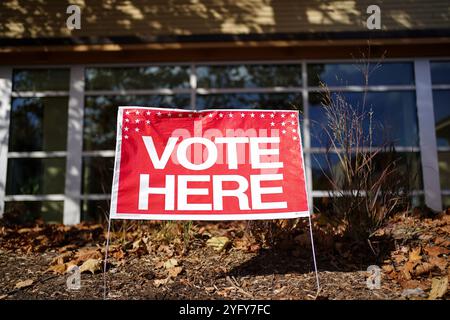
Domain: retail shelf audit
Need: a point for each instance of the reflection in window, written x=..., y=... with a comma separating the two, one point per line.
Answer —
x=95, y=210
x=249, y=76
x=35, y=176
x=446, y=202
x=41, y=79
x=100, y=115
x=440, y=72
x=277, y=101
x=394, y=118
x=327, y=166
x=344, y=74
x=153, y=77
x=28, y=211
x=444, y=169
x=441, y=102
x=38, y=124
x=97, y=175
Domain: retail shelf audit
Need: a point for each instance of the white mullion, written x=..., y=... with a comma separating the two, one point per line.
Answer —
x=205, y=91
x=93, y=196
x=427, y=134
x=38, y=94
x=362, y=88
x=72, y=212
x=99, y=153
x=441, y=86
x=136, y=92
x=381, y=150
x=193, y=86
x=307, y=136
x=32, y=197
x=5, y=110
x=37, y=154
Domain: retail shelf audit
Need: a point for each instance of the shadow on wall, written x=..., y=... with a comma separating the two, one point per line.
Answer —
x=146, y=19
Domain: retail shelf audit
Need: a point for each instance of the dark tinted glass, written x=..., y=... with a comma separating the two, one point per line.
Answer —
x=95, y=210
x=327, y=166
x=280, y=101
x=38, y=124
x=343, y=74
x=441, y=102
x=440, y=72
x=36, y=176
x=100, y=115
x=393, y=120
x=249, y=76
x=28, y=211
x=154, y=77
x=444, y=169
x=97, y=175
x=41, y=79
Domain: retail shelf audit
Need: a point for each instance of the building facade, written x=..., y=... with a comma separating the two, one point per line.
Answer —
x=60, y=88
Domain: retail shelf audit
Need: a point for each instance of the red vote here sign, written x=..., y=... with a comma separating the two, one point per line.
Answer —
x=174, y=164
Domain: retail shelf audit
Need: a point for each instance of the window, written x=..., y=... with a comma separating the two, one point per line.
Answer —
x=37, y=143
x=391, y=118
x=39, y=118
x=107, y=88
x=440, y=79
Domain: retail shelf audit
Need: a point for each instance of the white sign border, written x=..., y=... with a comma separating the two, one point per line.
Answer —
x=199, y=217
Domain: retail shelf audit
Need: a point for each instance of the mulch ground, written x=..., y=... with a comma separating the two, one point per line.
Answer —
x=147, y=261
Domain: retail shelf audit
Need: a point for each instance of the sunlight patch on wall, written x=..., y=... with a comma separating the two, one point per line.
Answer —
x=342, y=12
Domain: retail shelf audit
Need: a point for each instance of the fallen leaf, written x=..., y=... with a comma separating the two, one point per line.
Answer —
x=441, y=241
x=24, y=284
x=91, y=265
x=388, y=268
x=408, y=269
x=86, y=254
x=441, y=263
x=119, y=255
x=414, y=255
x=59, y=268
x=439, y=287
x=159, y=282
x=218, y=243
x=436, y=251
x=170, y=263
x=69, y=247
x=62, y=258
x=175, y=271
x=423, y=268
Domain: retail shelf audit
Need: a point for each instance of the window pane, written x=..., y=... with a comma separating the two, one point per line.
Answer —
x=38, y=124
x=440, y=72
x=29, y=211
x=97, y=175
x=280, y=101
x=95, y=210
x=394, y=118
x=41, y=80
x=444, y=169
x=441, y=102
x=35, y=176
x=249, y=76
x=100, y=115
x=343, y=74
x=327, y=166
x=446, y=202
x=154, y=77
